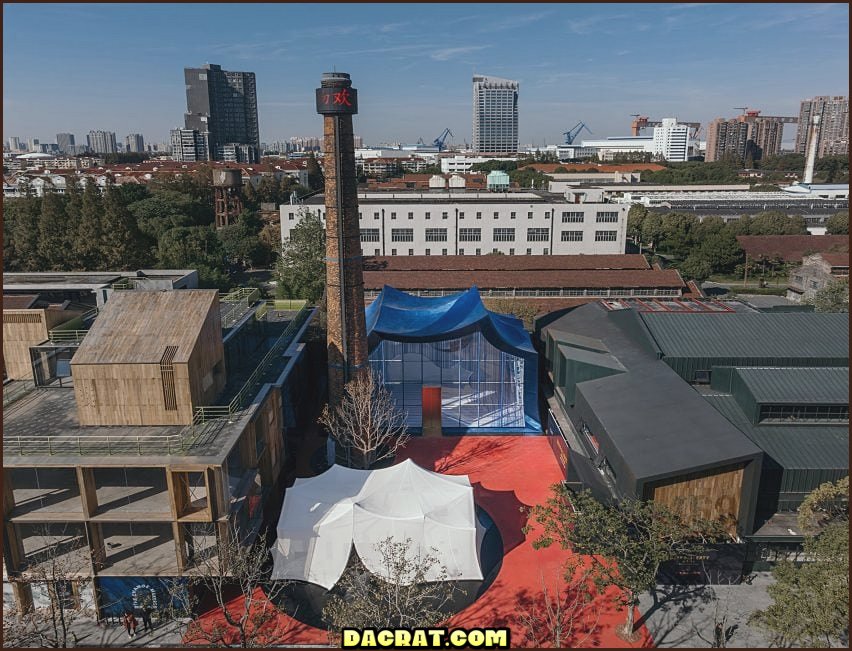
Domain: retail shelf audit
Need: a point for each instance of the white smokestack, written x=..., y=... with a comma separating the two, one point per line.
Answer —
x=813, y=137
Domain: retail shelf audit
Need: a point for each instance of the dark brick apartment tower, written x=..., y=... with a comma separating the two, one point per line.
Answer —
x=337, y=102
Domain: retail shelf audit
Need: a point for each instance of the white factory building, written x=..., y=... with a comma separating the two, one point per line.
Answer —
x=458, y=222
x=670, y=140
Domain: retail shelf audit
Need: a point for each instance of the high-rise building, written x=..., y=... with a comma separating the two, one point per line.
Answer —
x=102, y=142
x=671, y=140
x=495, y=115
x=188, y=145
x=65, y=141
x=34, y=145
x=14, y=143
x=765, y=137
x=222, y=105
x=134, y=143
x=726, y=138
x=833, y=136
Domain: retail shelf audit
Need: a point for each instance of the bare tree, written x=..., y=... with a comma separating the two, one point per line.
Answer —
x=562, y=619
x=404, y=599
x=61, y=560
x=235, y=574
x=367, y=420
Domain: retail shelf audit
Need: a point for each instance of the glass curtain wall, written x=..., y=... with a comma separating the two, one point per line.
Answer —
x=481, y=386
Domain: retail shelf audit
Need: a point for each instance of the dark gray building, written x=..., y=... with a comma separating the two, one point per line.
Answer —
x=721, y=413
x=65, y=142
x=222, y=107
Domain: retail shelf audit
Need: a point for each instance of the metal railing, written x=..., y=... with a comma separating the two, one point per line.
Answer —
x=179, y=443
x=239, y=303
x=66, y=336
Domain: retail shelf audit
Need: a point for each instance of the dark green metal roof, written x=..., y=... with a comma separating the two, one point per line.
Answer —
x=750, y=335
x=807, y=447
x=578, y=341
x=797, y=385
x=591, y=358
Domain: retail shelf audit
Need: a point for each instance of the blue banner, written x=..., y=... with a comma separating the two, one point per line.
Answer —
x=118, y=594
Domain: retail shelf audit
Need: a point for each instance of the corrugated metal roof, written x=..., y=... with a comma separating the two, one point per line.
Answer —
x=807, y=447
x=604, y=360
x=750, y=335
x=798, y=385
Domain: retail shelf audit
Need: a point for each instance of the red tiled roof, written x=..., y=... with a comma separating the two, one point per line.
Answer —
x=836, y=259
x=549, y=168
x=504, y=262
x=791, y=248
x=538, y=279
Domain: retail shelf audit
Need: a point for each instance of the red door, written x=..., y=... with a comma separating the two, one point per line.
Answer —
x=431, y=400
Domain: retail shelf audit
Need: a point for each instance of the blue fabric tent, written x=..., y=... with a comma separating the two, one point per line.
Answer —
x=479, y=365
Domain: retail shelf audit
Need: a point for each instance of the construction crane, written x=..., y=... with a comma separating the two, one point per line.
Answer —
x=440, y=140
x=755, y=115
x=574, y=132
x=642, y=121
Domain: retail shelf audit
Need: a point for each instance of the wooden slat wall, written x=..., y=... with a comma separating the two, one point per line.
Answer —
x=22, y=329
x=712, y=494
x=205, y=371
x=126, y=394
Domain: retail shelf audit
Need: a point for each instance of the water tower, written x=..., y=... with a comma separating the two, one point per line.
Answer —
x=227, y=202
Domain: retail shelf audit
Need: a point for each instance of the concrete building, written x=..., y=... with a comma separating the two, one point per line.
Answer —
x=134, y=143
x=459, y=164
x=14, y=144
x=189, y=145
x=457, y=222
x=140, y=447
x=222, y=106
x=816, y=273
x=671, y=141
x=65, y=142
x=834, y=125
x=726, y=137
x=102, y=142
x=495, y=115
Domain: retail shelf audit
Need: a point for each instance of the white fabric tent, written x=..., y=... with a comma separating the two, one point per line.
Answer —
x=324, y=516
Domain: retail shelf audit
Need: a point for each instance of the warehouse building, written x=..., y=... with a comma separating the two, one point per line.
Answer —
x=453, y=221
x=719, y=412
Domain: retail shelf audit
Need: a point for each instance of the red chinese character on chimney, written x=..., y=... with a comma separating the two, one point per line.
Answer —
x=342, y=98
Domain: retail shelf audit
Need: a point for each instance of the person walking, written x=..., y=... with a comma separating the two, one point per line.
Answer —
x=130, y=624
x=146, y=618
x=126, y=621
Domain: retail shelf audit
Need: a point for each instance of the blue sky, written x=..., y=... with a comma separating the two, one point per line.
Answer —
x=120, y=67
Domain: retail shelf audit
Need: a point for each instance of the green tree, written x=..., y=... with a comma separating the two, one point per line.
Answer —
x=627, y=541
x=241, y=241
x=635, y=217
x=54, y=236
x=696, y=267
x=21, y=217
x=89, y=234
x=775, y=222
x=717, y=244
x=678, y=233
x=810, y=601
x=122, y=246
x=838, y=223
x=652, y=230
x=834, y=297
x=165, y=209
x=316, y=178
x=194, y=247
x=301, y=267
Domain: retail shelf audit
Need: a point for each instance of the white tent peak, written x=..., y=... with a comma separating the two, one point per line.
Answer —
x=324, y=516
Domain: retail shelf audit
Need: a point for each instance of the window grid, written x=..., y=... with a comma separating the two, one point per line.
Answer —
x=436, y=234
x=606, y=236
x=572, y=236
x=504, y=235
x=402, y=235
x=538, y=235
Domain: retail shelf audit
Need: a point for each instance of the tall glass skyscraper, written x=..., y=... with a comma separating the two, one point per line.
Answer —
x=495, y=115
x=222, y=107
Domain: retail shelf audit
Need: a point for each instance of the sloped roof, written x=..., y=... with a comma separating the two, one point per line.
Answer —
x=505, y=262
x=135, y=327
x=797, y=385
x=750, y=335
x=791, y=248
x=400, y=316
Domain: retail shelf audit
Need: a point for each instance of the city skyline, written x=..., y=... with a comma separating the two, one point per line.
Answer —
x=596, y=64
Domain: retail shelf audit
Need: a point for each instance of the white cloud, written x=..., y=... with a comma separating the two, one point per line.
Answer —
x=447, y=53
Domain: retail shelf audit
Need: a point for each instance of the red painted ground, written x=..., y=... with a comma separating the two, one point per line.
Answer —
x=507, y=473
